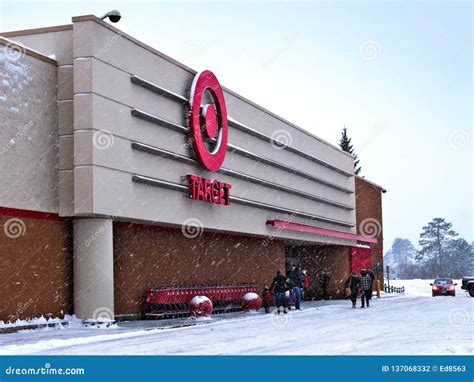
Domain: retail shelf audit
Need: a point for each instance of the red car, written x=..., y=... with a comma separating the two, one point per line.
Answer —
x=443, y=287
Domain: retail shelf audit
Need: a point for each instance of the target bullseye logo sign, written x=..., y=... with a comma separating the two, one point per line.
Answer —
x=208, y=134
x=208, y=122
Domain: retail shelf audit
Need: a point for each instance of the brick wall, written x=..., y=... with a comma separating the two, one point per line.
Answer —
x=146, y=256
x=334, y=259
x=35, y=268
x=369, y=215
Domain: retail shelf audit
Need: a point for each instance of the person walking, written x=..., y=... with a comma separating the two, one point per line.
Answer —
x=372, y=278
x=304, y=292
x=306, y=279
x=296, y=282
x=365, y=286
x=353, y=283
x=267, y=298
x=324, y=285
x=279, y=288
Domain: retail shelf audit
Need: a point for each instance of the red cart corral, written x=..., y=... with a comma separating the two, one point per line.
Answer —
x=173, y=301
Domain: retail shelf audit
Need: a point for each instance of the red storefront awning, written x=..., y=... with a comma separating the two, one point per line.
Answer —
x=281, y=224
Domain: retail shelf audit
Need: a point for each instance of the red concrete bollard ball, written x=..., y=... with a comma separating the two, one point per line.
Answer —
x=200, y=306
x=251, y=301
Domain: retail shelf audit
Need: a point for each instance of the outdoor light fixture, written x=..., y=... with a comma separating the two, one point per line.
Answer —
x=114, y=16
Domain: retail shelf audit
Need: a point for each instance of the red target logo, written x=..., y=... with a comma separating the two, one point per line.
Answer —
x=208, y=122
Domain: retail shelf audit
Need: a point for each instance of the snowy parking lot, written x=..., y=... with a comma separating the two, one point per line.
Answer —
x=413, y=323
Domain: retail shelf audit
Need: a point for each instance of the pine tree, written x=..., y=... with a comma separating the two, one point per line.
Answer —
x=459, y=258
x=401, y=258
x=436, y=241
x=345, y=144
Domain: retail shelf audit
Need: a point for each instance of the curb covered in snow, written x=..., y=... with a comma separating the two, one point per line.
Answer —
x=14, y=329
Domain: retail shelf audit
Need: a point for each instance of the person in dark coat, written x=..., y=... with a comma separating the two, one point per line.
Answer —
x=365, y=286
x=353, y=283
x=324, y=284
x=279, y=287
x=372, y=277
x=295, y=277
x=267, y=298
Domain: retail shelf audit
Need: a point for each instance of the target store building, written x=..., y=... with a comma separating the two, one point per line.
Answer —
x=123, y=170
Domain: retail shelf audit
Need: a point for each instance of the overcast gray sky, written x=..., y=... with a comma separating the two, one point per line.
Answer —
x=397, y=74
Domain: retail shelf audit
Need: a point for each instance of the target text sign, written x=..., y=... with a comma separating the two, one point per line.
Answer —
x=208, y=134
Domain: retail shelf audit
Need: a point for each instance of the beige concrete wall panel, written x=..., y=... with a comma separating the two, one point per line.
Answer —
x=57, y=44
x=66, y=152
x=120, y=155
x=65, y=82
x=142, y=202
x=108, y=46
x=66, y=117
x=28, y=138
x=83, y=190
x=116, y=121
x=66, y=192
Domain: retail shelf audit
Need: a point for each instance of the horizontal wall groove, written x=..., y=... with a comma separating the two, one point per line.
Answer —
x=232, y=148
x=238, y=125
x=243, y=201
x=236, y=174
x=158, y=89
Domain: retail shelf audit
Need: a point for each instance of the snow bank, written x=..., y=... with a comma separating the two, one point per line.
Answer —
x=412, y=323
x=41, y=321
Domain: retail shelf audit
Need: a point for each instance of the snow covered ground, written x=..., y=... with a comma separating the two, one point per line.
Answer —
x=413, y=323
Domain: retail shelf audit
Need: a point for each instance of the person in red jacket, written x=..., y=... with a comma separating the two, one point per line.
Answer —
x=306, y=279
x=305, y=284
x=267, y=298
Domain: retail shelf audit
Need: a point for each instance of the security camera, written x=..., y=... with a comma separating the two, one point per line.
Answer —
x=114, y=16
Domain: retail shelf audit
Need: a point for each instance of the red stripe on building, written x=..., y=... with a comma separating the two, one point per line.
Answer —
x=319, y=231
x=19, y=213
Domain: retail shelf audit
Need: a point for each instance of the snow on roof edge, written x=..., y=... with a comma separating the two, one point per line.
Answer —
x=372, y=183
